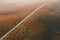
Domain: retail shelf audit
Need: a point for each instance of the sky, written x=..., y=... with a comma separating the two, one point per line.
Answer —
x=10, y=2
x=6, y=4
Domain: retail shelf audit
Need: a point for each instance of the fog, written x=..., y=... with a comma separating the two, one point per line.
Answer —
x=13, y=2
x=8, y=5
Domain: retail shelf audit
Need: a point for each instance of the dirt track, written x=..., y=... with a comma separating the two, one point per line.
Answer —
x=16, y=14
x=43, y=25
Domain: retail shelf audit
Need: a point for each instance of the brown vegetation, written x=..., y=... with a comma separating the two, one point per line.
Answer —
x=37, y=27
x=12, y=16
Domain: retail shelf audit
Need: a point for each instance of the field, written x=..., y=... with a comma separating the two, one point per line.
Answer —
x=43, y=25
x=10, y=17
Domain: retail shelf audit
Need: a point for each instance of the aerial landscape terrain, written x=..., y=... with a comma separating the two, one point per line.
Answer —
x=30, y=20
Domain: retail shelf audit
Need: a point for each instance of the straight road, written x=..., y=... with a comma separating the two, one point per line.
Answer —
x=10, y=16
x=38, y=26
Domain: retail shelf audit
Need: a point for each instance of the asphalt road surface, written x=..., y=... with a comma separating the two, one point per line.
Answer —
x=44, y=24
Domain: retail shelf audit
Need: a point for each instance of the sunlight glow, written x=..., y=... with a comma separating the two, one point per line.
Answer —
x=6, y=3
x=14, y=1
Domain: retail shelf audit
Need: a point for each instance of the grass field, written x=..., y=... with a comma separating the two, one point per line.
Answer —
x=43, y=25
x=10, y=17
x=38, y=26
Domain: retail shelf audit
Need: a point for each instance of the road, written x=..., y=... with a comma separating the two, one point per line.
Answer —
x=42, y=25
x=11, y=16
